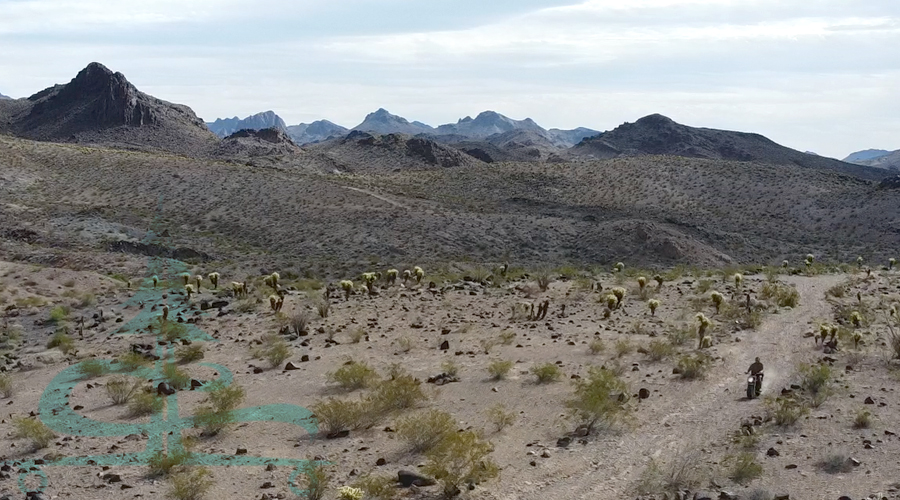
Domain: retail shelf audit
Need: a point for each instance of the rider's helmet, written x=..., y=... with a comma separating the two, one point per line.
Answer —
x=757, y=360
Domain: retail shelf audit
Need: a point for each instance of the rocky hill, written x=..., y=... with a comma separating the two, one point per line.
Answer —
x=316, y=131
x=383, y=122
x=571, y=137
x=364, y=152
x=866, y=155
x=659, y=135
x=248, y=143
x=101, y=107
x=4, y=97
x=486, y=124
x=227, y=126
x=890, y=160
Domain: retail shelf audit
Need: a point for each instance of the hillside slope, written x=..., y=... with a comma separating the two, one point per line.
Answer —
x=102, y=107
x=659, y=135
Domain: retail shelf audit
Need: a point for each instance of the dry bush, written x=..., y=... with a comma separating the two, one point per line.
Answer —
x=462, y=457
x=162, y=463
x=543, y=279
x=190, y=353
x=144, y=403
x=623, y=347
x=659, y=350
x=863, y=419
x=218, y=409
x=836, y=463
x=353, y=375
x=781, y=295
x=596, y=346
x=190, y=483
x=300, y=322
x=596, y=399
x=785, y=412
x=317, y=480
x=323, y=307
x=274, y=350
x=450, y=368
x=399, y=393
x=425, y=430
x=500, y=417
x=686, y=472
x=6, y=385
x=693, y=366
x=357, y=334
x=33, y=429
x=378, y=487
x=336, y=415
x=131, y=361
x=743, y=468
x=499, y=368
x=507, y=337
x=121, y=388
x=546, y=373
x=170, y=330
x=61, y=341
x=92, y=368
x=176, y=377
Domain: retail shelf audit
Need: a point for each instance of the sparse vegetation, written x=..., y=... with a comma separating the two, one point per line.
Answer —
x=131, y=361
x=781, y=295
x=6, y=385
x=399, y=393
x=693, y=366
x=61, y=341
x=499, y=368
x=274, y=350
x=425, y=430
x=462, y=457
x=218, y=409
x=144, y=403
x=500, y=417
x=786, y=411
x=624, y=347
x=836, y=463
x=356, y=334
x=162, y=463
x=743, y=468
x=34, y=430
x=354, y=375
x=92, y=368
x=599, y=398
x=190, y=483
x=596, y=346
x=175, y=376
x=659, y=350
x=862, y=420
x=190, y=353
x=546, y=373
x=121, y=388
x=377, y=487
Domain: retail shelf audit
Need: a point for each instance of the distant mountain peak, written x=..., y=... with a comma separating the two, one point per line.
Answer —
x=383, y=122
x=259, y=121
x=5, y=96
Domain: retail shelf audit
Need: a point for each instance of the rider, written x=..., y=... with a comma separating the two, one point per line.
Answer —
x=756, y=369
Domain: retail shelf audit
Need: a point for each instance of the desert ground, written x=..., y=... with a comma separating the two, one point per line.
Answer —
x=667, y=433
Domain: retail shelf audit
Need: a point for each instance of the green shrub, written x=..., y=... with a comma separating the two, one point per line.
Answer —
x=400, y=393
x=317, y=480
x=378, y=487
x=274, y=350
x=356, y=335
x=6, y=385
x=190, y=483
x=59, y=314
x=680, y=335
x=131, y=361
x=835, y=464
x=659, y=350
x=743, y=468
x=596, y=346
x=500, y=417
x=61, y=341
x=781, y=295
x=596, y=399
x=218, y=409
x=543, y=279
x=546, y=373
x=450, y=368
x=176, y=377
x=863, y=420
x=354, y=375
x=684, y=473
x=786, y=411
x=92, y=368
x=499, y=368
x=462, y=457
x=425, y=430
x=121, y=388
x=623, y=347
x=335, y=415
x=815, y=378
x=507, y=337
x=162, y=463
x=170, y=330
x=190, y=353
x=694, y=366
x=33, y=429
x=144, y=403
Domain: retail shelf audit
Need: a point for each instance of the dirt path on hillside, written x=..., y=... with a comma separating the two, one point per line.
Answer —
x=702, y=414
x=377, y=196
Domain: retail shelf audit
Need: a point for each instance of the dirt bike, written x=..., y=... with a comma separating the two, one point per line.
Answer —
x=754, y=385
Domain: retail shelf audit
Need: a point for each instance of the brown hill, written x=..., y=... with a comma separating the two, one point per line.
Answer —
x=659, y=135
x=365, y=152
x=102, y=107
x=255, y=143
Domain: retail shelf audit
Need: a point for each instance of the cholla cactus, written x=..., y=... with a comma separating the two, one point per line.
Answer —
x=619, y=267
x=784, y=263
x=642, y=282
x=891, y=263
x=347, y=286
x=419, y=273
x=619, y=293
x=392, y=276
x=611, y=301
x=165, y=313
x=350, y=493
x=272, y=280
x=199, y=280
x=704, y=324
x=273, y=301
x=659, y=280
x=859, y=261
x=186, y=277
x=810, y=258
x=214, y=279
x=155, y=280
x=717, y=300
x=653, y=304
x=856, y=318
x=189, y=290
x=856, y=340
x=369, y=278
x=738, y=279
x=894, y=311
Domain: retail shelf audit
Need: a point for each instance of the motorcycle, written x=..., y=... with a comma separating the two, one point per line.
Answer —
x=754, y=385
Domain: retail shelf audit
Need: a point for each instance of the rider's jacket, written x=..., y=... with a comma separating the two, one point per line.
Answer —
x=755, y=368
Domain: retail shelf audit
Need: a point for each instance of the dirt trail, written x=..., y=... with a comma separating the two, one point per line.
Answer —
x=701, y=414
x=377, y=196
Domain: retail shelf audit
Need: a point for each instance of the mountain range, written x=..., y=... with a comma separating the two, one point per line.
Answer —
x=100, y=107
x=5, y=96
x=879, y=158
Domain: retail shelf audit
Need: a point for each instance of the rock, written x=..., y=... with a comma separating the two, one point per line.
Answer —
x=844, y=497
x=337, y=434
x=581, y=431
x=257, y=370
x=790, y=466
x=164, y=389
x=270, y=467
x=266, y=485
x=408, y=478
x=304, y=358
x=241, y=451
x=854, y=462
x=291, y=366
x=869, y=401
x=112, y=478
x=772, y=452
x=380, y=462
x=644, y=393
x=195, y=384
x=563, y=442
x=782, y=496
x=545, y=454
x=445, y=345
x=703, y=495
x=442, y=378
x=727, y=495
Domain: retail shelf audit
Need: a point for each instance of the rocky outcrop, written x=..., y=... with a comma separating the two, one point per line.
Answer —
x=259, y=121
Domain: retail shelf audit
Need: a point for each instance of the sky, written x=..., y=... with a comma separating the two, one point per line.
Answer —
x=814, y=75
